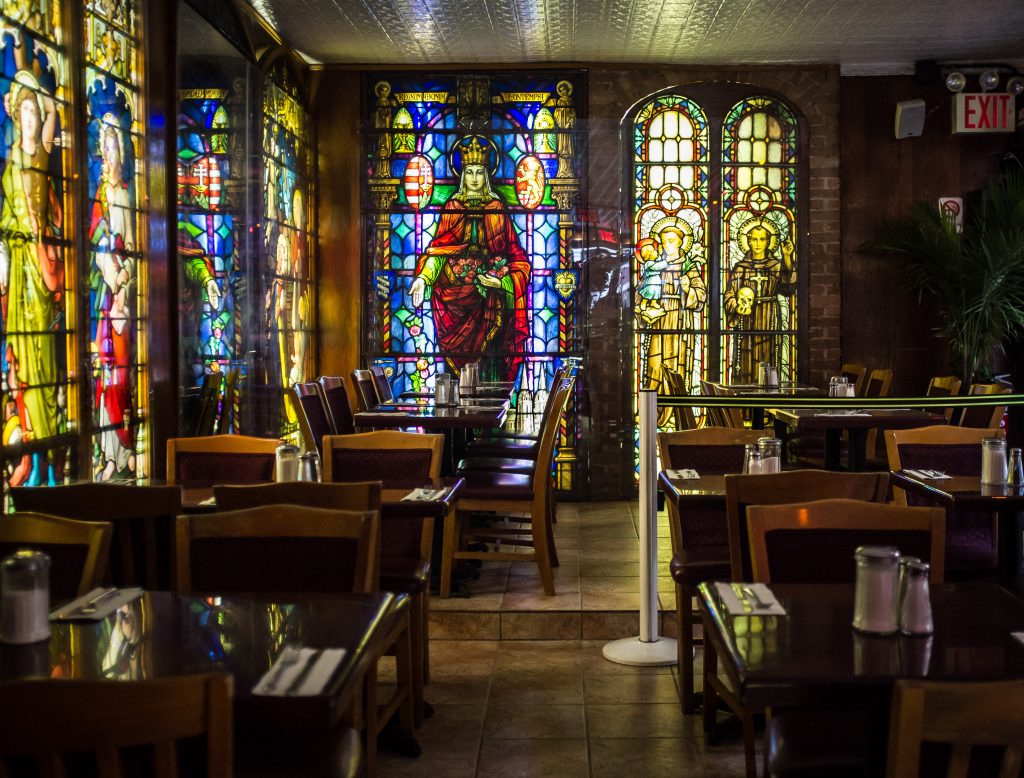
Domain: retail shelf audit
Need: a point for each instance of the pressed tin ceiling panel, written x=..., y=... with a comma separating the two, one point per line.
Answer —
x=882, y=35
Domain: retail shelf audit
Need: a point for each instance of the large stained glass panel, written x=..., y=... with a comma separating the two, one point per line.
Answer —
x=759, y=267
x=473, y=184
x=289, y=243
x=670, y=238
x=37, y=269
x=117, y=269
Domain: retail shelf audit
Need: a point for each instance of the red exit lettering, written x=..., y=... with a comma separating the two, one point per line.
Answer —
x=982, y=112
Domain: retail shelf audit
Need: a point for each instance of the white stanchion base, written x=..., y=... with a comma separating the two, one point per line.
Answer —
x=633, y=651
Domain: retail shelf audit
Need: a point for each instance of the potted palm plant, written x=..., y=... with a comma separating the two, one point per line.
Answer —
x=975, y=276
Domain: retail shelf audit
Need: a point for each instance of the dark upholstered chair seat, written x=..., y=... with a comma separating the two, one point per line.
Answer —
x=503, y=447
x=404, y=574
x=492, y=485
x=497, y=464
x=804, y=743
x=703, y=563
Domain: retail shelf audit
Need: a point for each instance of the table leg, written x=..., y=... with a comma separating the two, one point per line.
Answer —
x=833, y=438
x=782, y=433
x=858, y=449
x=757, y=418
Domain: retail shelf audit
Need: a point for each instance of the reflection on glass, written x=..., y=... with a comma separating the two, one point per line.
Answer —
x=122, y=660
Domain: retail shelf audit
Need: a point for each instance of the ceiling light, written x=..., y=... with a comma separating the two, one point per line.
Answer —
x=1015, y=85
x=955, y=82
x=988, y=80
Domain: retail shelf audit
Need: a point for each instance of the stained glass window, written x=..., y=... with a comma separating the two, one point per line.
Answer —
x=289, y=242
x=37, y=269
x=707, y=309
x=117, y=270
x=472, y=184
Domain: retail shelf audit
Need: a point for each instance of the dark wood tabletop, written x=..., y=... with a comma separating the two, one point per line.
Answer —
x=163, y=634
x=783, y=389
x=796, y=420
x=429, y=416
x=705, y=491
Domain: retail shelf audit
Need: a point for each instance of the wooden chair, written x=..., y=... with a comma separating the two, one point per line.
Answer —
x=220, y=459
x=142, y=543
x=277, y=549
x=510, y=493
x=568, y=369
x=960, y=715
x=366, y=390
x=877, y=385
x=742, y=491
x=381, y=383
x=186, y=722
x=397, y=460
x=337, y=497
x=733, y=417
x=986, y=417
x=681, y=414
x=714, y=417
x=78, y=550
x=312, y=414
x=971, y=536
x=944, y=386
x=339, y=410
x=814, y=542
x=855, y=374
x=700, y=539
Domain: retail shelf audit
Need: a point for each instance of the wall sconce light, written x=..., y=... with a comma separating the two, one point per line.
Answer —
x=988, y=80
x=1015, y=85
x=956, y=81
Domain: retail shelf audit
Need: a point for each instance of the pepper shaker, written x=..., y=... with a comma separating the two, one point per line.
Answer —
x=915, y=599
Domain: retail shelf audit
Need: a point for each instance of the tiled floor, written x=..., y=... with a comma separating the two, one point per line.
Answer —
x=520, y=687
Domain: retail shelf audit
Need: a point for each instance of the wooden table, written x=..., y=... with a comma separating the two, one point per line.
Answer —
x=812, y=657
x=966, y=492
x=708, y=491
x=784, y=389
x=795, y=420
x=169, y=635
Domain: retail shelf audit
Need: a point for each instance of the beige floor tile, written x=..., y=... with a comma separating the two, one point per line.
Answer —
x=450, y=719
x=614, y=758
x=562, y=758
x=605, y=583
x=523, y=584
x=591, y=567
x=566, y=568
x=465, y=689
x=644, y=720
x=538, y=601
x=479, y=601
x=595, y=664
x=635, y=688
x=611, y=601
x=537, y=689
x=462, y=657
x=452, y=758
x=617, y=530
x=538, y=656
x=515, y=721
x=452, y=625
x=589, y=543
x=610, y=625
x=540, y=625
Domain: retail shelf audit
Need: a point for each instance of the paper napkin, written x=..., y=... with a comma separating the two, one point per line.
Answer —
x=736, y=607
x=72, y=611
x=687, y=474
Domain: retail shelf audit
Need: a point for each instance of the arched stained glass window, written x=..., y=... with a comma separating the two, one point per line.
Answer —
x=38, y=343
x=470, y=231
x=759, y=276
x=289, y=242
x=117, y=264
x=715, y=264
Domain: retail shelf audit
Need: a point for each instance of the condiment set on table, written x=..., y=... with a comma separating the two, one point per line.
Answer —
x=762, y=458
x=891, y=593
x=289, y=465
x=995, y=471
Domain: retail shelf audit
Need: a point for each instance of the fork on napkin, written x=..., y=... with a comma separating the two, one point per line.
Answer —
x=299, y=672
x=687, y=474
x=95, y=605
x=742, y=599
x=425, y=493
x=927, y=475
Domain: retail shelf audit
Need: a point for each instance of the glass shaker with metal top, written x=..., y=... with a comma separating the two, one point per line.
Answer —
x=915, y=599
x=876, y=590
x=25, y=597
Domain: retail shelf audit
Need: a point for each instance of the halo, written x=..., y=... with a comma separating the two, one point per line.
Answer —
x=25, y=79
x=643, y=243
x=743, y=233
x=110, y=120
x=455, y=154
x=679, y=224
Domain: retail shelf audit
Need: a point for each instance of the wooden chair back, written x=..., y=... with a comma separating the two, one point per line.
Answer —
x=366, y=392
x=339, y=410
x=311, y=413
x=381, y=383
x=78, y=550
x=855, y=374
x=142, y=542
x=396, y=459
x=954, y=450
x=814, y=542
x=227, y=422
x=186, y=721
x=278, y=549
x=877, y=385
x=364, y=496
x=682, y=414
x=944, y=386
x=220, y=459
x=960, y=716
x=548, y=435
x=986, y=417
x=742, y=491
x=733, y=417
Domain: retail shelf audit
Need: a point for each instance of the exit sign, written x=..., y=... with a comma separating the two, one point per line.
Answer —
x=983, y=112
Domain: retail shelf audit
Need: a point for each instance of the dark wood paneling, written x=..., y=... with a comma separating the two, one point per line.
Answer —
x=884, y=325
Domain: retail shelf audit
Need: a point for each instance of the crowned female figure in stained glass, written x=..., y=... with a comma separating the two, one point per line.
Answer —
x=475, y=273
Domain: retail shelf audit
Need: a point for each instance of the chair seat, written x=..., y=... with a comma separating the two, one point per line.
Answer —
x=503, y=447
x=492, y=485
x=410, y=575
x=500, y=434
x=804, y=743
x=699, y=564
x=496, y=464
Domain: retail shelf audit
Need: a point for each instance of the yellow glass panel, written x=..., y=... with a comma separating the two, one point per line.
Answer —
x=774, y=128
x=760, y=125
x=758, y=176
x=687, y=178
x=654, y=151
x=760, y=152
x=775, y=178
x=743, y=178
x=671, y=124
x=774, y=151
x=746, y=128
x=671, y=150
x=743, y=151
x=657, y=177
x=672, y=174
x=657, y=127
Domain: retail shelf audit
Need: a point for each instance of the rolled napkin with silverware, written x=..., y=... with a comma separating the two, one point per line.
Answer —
x=95, y=605
x=300, y=672
x=743, y=599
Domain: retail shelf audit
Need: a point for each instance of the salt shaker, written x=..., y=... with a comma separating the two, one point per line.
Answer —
x=875, y=594
x=751, y=459
x=309, y=467
x=762, y=374
x=915, y=602
x=993, y=461
x=25, y=597
x=286, y=463
x=1015, y=470
x=443, y=390
x=771, y=454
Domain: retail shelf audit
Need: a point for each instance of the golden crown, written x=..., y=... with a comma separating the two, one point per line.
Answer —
x=474, y=153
